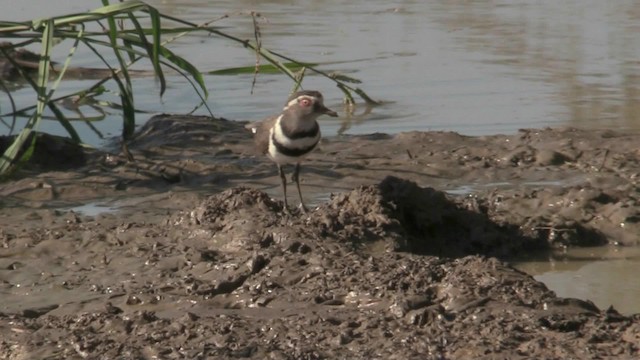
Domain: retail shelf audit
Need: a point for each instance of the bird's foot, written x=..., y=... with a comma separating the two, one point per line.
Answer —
x=300, y=209
x=304, y=209
x=286, y=210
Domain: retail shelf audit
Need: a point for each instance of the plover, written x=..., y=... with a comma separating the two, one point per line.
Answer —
x=288, y=137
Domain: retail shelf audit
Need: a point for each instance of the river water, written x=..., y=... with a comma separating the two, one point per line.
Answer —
x=474, y=67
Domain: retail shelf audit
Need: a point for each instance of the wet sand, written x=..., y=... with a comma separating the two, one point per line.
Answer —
x=199, y=261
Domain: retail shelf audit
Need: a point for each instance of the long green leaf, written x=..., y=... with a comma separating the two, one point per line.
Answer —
x=126, y=91
x=126, y=104
x=64, y=121
x=347, y=94
x=273, y=57
x=185, y=65
x=264, y=69
x=366, y=97
x=134, y=45
x=153, y=50
x=10, y=155
x=43, y=79
x=180, y=62
x=105, y=12
x=43, y=72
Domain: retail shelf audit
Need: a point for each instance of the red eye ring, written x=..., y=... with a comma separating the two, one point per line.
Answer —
x=305, y=102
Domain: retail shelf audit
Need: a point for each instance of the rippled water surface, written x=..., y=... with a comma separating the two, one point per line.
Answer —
x=474, y=67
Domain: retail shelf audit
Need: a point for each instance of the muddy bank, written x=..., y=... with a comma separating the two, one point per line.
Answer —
x=199, y=261
x=233, y=277
x=564, y=186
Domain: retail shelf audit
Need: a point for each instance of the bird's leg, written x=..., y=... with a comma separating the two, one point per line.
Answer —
x=296, y=179
x=283, y=179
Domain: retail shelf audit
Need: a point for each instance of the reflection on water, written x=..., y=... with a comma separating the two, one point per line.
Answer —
x=587, y=51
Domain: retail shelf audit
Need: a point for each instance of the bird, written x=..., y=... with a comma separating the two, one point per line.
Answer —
x=287, y=138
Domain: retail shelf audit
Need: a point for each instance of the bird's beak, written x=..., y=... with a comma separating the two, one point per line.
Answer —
x=325, y=110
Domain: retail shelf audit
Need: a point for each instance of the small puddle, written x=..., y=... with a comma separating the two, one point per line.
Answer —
x=548, y=183
x=605, y=275
x=462, y=190
x=467, y=189
x=92, y=209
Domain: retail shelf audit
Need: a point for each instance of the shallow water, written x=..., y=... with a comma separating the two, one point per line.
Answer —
x=470, y=67
x=605, y=275
x=92, y=209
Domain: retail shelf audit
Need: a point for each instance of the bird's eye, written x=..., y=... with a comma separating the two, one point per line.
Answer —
x=305, y=102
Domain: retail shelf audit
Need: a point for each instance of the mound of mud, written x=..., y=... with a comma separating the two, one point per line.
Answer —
x=397, y=212
x=424, y=221
x=234, y=277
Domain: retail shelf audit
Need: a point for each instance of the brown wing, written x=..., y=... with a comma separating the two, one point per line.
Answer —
x=260, y=130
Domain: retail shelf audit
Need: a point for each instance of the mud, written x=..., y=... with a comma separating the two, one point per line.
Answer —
x=403, y=257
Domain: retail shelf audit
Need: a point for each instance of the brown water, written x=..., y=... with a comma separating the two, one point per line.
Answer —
x=470, y=67
x=605, y=275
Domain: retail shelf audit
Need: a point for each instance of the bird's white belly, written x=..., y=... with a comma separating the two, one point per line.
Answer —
x=302, y=143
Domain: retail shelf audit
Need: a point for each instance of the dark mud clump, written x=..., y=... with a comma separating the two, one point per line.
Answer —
x=234, y=277
x=555, y=217
x=430, y=222
x=49, y=153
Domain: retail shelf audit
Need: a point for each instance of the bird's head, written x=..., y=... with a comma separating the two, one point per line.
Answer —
x=308, y=104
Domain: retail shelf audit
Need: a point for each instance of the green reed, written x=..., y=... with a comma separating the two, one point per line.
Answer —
x=118, y=30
